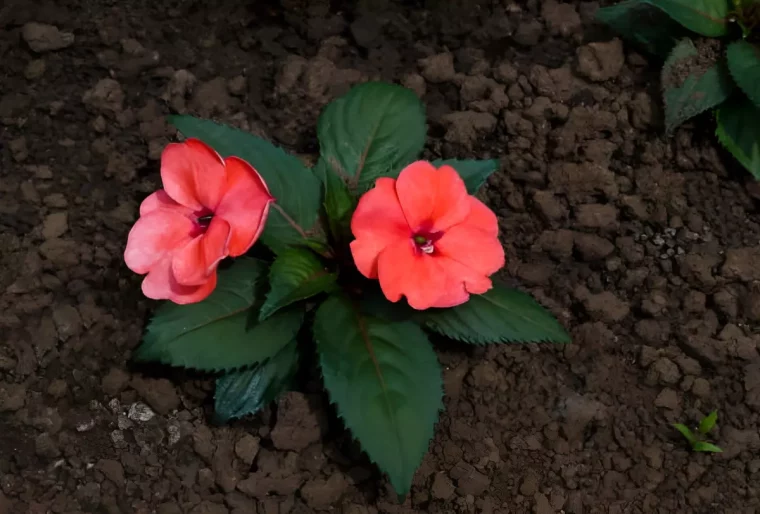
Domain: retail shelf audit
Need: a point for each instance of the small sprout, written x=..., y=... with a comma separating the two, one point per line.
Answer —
x=704, y=446
x=708, y=422
x=696, y=440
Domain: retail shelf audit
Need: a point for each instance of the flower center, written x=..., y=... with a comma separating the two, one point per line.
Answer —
x=425, y=242
x=202, y=220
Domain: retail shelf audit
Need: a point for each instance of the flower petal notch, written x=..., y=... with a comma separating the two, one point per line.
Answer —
x=209, y=208
x=425, y=238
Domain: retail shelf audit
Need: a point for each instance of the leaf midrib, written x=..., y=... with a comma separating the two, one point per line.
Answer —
x=529, y=319
x=370, y=141
x=364, y=334
x=201, y=325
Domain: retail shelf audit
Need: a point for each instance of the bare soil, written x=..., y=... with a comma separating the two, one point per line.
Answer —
x=646, y=248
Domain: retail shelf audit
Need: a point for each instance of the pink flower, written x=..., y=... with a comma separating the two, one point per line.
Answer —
x=210, y=208
x=424, y=237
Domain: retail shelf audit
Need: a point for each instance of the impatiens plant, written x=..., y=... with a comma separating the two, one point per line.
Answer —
x=364, y=254
x=712, y=61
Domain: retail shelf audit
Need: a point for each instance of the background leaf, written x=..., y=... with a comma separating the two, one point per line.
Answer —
x=705, y=17
x=704, y=446
x=501, y=315
x=295, y=188
x=744, y=65
x=739, y=131
x=473, y=172
x=220, y=332
x=644, y=25
x=373, y=131
x=708, y=422
x=385, y=380
x=686, y=432
x=686, y=96
x=245, y=392
x=296, y=274
x=338, y=203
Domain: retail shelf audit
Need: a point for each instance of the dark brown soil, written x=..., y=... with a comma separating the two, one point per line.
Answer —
x=646, y=248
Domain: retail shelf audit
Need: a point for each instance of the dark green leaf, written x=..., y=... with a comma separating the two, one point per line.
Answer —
x=501, y=315
x=295, y=275
x=385, y=380
x=744, y=64
x=644, y=25
x=245, y=392
x=295, y=188
x=703, y=446
x=708, y=422
x=739, y=131
x=705, y=17
x=686, y=432
x=373, y=131
x=220, y=332
x=373, y=303
x=689, y=90
x=473, y=172
x=338, y=202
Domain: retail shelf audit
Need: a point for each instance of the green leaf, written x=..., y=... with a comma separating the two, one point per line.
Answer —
x=295, y=275
x=739, y=131
x=644, y=25
x=705, y=17
x=338, y=202
x=220, y=332
x=686, y=432
x=373, y=131
x=690, y=90
x=386, y=382
x=246, y=392
x=295, y=188
x=703, y=446
x=708, y=422
x=744, y=64
x=501, y=315
x=373, y=303
x=473, y=172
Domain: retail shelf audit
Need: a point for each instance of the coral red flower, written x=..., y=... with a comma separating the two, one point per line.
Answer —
x=210, y=208
x=424, y=237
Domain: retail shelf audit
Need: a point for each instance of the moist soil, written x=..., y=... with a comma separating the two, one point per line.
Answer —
x=646, y=248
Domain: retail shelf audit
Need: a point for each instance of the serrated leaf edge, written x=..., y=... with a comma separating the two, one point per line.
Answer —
x=339, y=412
x=733, y=75
x=262, y=363
x=479, y=341
x=206, y=371
x=668, y=128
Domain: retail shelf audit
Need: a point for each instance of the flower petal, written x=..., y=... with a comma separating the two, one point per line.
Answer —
x=404, y=271
x=193, y=174
x=482, y=217
x=161, y=200
x=155, y=235
x=459, y=275
x=160, y=284
x=377, y=222
x=365, y=252
x=196, y=261
x=455, y=294
x=474, y=248
x=245, y=205
x=432, y=199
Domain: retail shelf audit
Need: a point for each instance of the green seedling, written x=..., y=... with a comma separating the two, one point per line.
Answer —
x=697, y=440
